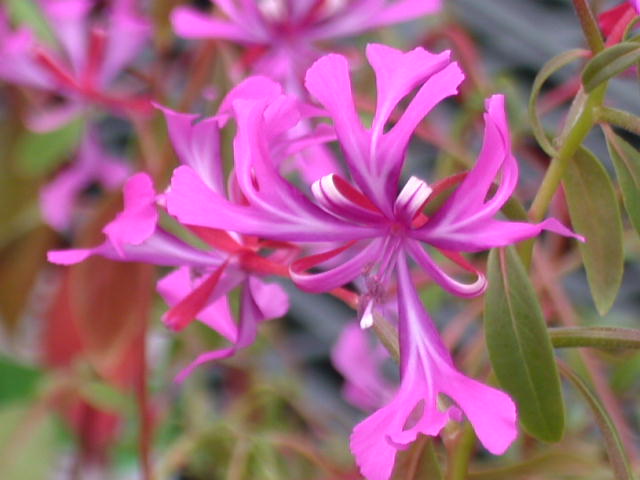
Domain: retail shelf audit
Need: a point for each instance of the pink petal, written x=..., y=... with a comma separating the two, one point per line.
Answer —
x=337, y=276
x=491, y=412
x=161, y=248
x=138, y=220
x=359, y=362
x=126, y=37
x=197, y=145
x=216, y=315
x=441, y=278
x=69, y=20
x=328, y=81
x=487, y=234
x=404, y=10
x=271, y=299
x=256, y=87
x=190, y=23
x=17, y=63
x=427, y=370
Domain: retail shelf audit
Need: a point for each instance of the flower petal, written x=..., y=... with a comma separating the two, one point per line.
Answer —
x=197, y=145
x=216, y=315
x=337, y=276
x=161, y=248
x=271, y=299
x=190, y=23
x=138, y=219
x=441, y=278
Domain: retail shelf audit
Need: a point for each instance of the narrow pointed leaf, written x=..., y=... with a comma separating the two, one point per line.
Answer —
x=519, y=347
x=609, y=63
x=595, y=214
x=626, y=160
x=613, y=443
x=552, y=66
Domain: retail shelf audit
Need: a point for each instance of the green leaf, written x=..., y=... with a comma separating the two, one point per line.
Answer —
x=40, y=153
x=27, y=439
x=551, y=67
x=595, y=214
x=597, y=337
x=609, y=63
x=626, y=161
x=106, y=397
x=17, y=381
x=519, y=347
x=28, y=13
x=612, y=441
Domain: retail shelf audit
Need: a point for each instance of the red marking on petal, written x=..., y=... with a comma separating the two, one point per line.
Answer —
x=55, y=69
x=185, y=311
x=254, y=263
x=458, y=259
x=219, y=239
x=305, y=263
x=95, y=57
x=347, y=296
x=351, y=193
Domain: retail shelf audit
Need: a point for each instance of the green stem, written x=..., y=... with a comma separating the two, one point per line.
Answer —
x=618, y=118
x=597, y=337
x=589, y=25
x=458, y=464
x=574, y=137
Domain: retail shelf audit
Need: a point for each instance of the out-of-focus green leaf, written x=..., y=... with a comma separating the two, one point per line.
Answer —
x=598, y=337
x=106, y=397
x=626, y=374
x=626, y=160
x=560, y=464
x=28, y=13
x=552, y=66
x=595, y=214
x=519, y=347
x=609, y=63
x=417, y=462
x=38, y=154
x=613, y=444
x=27, y=440
x=17, y=381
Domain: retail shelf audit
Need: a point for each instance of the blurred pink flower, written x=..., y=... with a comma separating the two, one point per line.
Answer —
x=59, y=197
x=89, y=55
x=360, y=361
x=283, y=33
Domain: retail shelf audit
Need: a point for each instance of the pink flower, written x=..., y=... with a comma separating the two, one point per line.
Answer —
x=198, y=288
x=380, y=226
x=90, y=54
x=283, y=32
x=359, y=362
x=92, y=165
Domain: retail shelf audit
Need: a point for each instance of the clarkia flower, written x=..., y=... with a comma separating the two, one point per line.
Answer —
x=360, y=362
x=282, y=34
x=381, y=227
x=92, y=165
x=198, y=288
x=81, y=68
